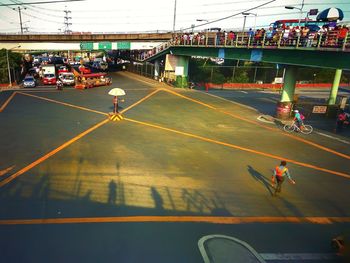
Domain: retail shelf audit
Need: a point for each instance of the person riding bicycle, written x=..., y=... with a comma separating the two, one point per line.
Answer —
x=59, y=84
x=298, y=118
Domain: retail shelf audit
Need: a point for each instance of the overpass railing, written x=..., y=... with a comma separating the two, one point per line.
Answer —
x=314, y=41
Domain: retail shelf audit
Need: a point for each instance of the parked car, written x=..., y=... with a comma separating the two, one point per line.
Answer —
x=49, y=79
x=29, y=82
x=33, y=72
x=103, y=66
x=67, y=78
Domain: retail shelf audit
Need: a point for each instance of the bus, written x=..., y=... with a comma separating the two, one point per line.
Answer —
x=311, y=24
x=86, y=81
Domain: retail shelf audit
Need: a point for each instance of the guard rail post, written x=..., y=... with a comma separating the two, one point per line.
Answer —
x=236, y=41
x=279, y=41
x=263, y=40
x=249, y=38
x=345, y=40
x=319, y=40
x=206, y=38
x=298, y=41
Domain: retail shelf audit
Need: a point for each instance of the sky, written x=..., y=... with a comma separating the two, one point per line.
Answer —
x=128, y=16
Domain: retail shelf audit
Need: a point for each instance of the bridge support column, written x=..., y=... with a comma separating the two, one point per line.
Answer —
x=335, y=86
x=181, y=71
x=156, y=70
x=284, y=107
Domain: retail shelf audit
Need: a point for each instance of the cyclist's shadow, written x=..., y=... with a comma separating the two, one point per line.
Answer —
x=278, y=124
x=259, y=177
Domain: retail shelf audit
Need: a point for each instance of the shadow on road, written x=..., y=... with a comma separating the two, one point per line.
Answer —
x=158, y=200
x=112, y=194
x=262, y=179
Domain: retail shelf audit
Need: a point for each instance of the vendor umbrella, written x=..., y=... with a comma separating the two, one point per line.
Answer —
x=330, y=14
x=116, y=92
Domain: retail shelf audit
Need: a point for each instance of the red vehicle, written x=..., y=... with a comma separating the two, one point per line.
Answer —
x=62, y=69
x=84, y=70
x=49, y=79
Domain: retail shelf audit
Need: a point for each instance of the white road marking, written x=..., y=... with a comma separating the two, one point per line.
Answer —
x=243, y=91
x=234, y=242
x=230, y=101
x=298, y=256
x=269, y=91
x=332, y=137
x=263, y=119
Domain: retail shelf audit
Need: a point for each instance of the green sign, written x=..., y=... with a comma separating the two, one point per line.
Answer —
x=123, y=45
x=86, y=45
x=105, y=45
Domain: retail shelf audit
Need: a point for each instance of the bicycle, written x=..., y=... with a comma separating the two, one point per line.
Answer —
x=304, y=128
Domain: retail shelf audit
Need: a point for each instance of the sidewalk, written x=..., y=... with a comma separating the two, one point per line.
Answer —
x=7, y=88
x=222, y=249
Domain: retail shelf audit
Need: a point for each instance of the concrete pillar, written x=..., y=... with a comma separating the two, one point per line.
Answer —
x=181, y=71
x=335, y=86
x=156, y=70
x=284, y=107
x=289, y=84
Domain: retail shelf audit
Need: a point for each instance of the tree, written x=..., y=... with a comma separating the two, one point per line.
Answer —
x=15, y=60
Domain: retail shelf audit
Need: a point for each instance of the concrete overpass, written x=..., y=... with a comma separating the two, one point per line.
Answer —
x=317, y=52
x=85, y=37
x=51, y=42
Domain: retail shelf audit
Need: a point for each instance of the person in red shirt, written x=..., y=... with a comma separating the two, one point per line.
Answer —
x=342, y=33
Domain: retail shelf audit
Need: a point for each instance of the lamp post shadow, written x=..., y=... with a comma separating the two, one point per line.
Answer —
x=112, y=194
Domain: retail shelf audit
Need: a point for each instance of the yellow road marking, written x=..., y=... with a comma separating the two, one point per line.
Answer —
x=116, y=117
x=63, y=103
x=7, y=101
x=48, y=155
x=261, y=125
x=241, y=148
x=5, y=171
x=178, y=219
x=141, y=100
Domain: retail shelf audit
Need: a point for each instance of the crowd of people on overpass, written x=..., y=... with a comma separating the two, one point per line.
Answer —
x=326, y=36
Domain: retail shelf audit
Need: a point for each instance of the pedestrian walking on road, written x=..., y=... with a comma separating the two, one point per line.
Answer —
x=279, y=174
x=341, y=118
x=115, y=104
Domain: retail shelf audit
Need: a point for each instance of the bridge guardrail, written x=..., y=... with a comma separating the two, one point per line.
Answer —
x=313, y=41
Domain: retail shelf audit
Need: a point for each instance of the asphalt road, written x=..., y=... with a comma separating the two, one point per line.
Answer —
x=175, y=166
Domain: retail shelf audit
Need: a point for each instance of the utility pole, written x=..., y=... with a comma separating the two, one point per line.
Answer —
x=174, y=17
x=66, y=21
x=20, y=17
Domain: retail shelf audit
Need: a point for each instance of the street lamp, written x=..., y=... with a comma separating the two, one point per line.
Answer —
x=245, y=14
x=8, y=64
x=298, y=8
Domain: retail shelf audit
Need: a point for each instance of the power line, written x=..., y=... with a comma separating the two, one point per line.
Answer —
x=41, y=3
x=224, y=18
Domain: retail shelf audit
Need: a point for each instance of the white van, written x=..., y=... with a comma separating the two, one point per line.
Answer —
x=67, y=78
